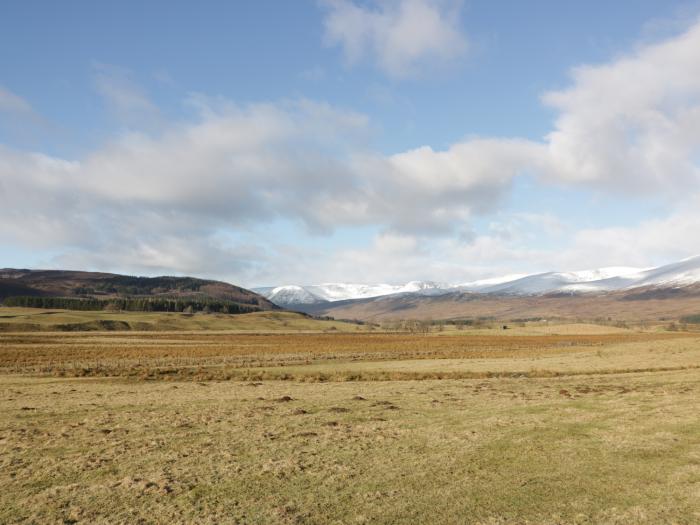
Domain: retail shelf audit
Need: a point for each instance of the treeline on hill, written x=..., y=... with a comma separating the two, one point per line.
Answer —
x=128, y=285
x=140, y=304
x=124, y=285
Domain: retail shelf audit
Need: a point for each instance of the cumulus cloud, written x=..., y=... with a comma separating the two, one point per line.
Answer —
x=158, y=199
x=633, y=123
x=400, y=36
x=238, y=167
x=435, y=191
x=155, y=201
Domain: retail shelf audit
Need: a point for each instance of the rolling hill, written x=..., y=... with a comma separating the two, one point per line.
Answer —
x=100, y=290
x=666, y=292
x=642, y=303
x=600, y=280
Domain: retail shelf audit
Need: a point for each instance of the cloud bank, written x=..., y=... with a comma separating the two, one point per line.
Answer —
x=196, y=196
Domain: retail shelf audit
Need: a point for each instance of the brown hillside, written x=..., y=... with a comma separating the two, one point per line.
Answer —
x=647, y=303
x=62, y=283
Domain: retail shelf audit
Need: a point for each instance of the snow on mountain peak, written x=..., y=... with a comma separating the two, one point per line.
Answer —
x=602, y=273
x=682, y=273
x=291, y=294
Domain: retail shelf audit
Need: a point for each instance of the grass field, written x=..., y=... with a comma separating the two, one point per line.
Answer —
x=540, y=425
x=37, y=319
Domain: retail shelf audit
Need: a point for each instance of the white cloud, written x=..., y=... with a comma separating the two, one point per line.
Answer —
x=634, y=123
x=298, y=161
x=438, y=190
x=400, y=36
x=157, y=200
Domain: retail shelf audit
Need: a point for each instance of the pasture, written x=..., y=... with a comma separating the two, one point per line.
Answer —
x=540, y=425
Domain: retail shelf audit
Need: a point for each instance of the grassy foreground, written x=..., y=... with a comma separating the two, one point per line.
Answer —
x=539, y=428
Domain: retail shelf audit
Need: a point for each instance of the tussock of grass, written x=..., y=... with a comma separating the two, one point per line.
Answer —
x=219, y=374
x=616, y=449
x=177, y=427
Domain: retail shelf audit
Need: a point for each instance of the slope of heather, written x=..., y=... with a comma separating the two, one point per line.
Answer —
x=105, y=286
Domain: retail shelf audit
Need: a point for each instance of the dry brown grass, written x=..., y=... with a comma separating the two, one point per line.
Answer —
x=45, y=320
x=620, y=449
x=502, y=428
x=187, y=354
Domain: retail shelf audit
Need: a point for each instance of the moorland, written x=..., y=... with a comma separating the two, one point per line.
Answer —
x=276, y=417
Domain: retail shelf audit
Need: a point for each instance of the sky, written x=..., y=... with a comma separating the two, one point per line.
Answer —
x=270, y=143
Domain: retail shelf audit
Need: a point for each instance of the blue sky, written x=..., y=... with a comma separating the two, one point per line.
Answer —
x=299, y=142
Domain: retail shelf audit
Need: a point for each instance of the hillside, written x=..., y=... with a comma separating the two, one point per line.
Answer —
x=642, y=303
x=593, y=281
x=101, y=289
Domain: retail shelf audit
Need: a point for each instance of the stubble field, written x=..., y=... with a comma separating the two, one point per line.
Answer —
x=565, y=424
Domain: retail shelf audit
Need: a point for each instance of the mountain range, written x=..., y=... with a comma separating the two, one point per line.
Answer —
x=608, y=279
x=669, y=292
x=583, y=292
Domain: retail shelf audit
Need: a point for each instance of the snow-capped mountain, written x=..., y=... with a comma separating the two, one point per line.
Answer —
x=598, y=280
x=344, y=291
x=682, y=273
x=607, y=279
x=331, y=292
x=292, y=294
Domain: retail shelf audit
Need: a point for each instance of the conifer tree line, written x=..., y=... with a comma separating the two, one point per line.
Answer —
x=138, y=304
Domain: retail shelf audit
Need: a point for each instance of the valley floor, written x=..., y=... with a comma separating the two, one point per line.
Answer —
x=538, y=428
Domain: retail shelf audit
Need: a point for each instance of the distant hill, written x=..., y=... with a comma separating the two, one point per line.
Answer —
x=94, y=291
x=597, y=281
x=670, y=292
x=639, y=303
